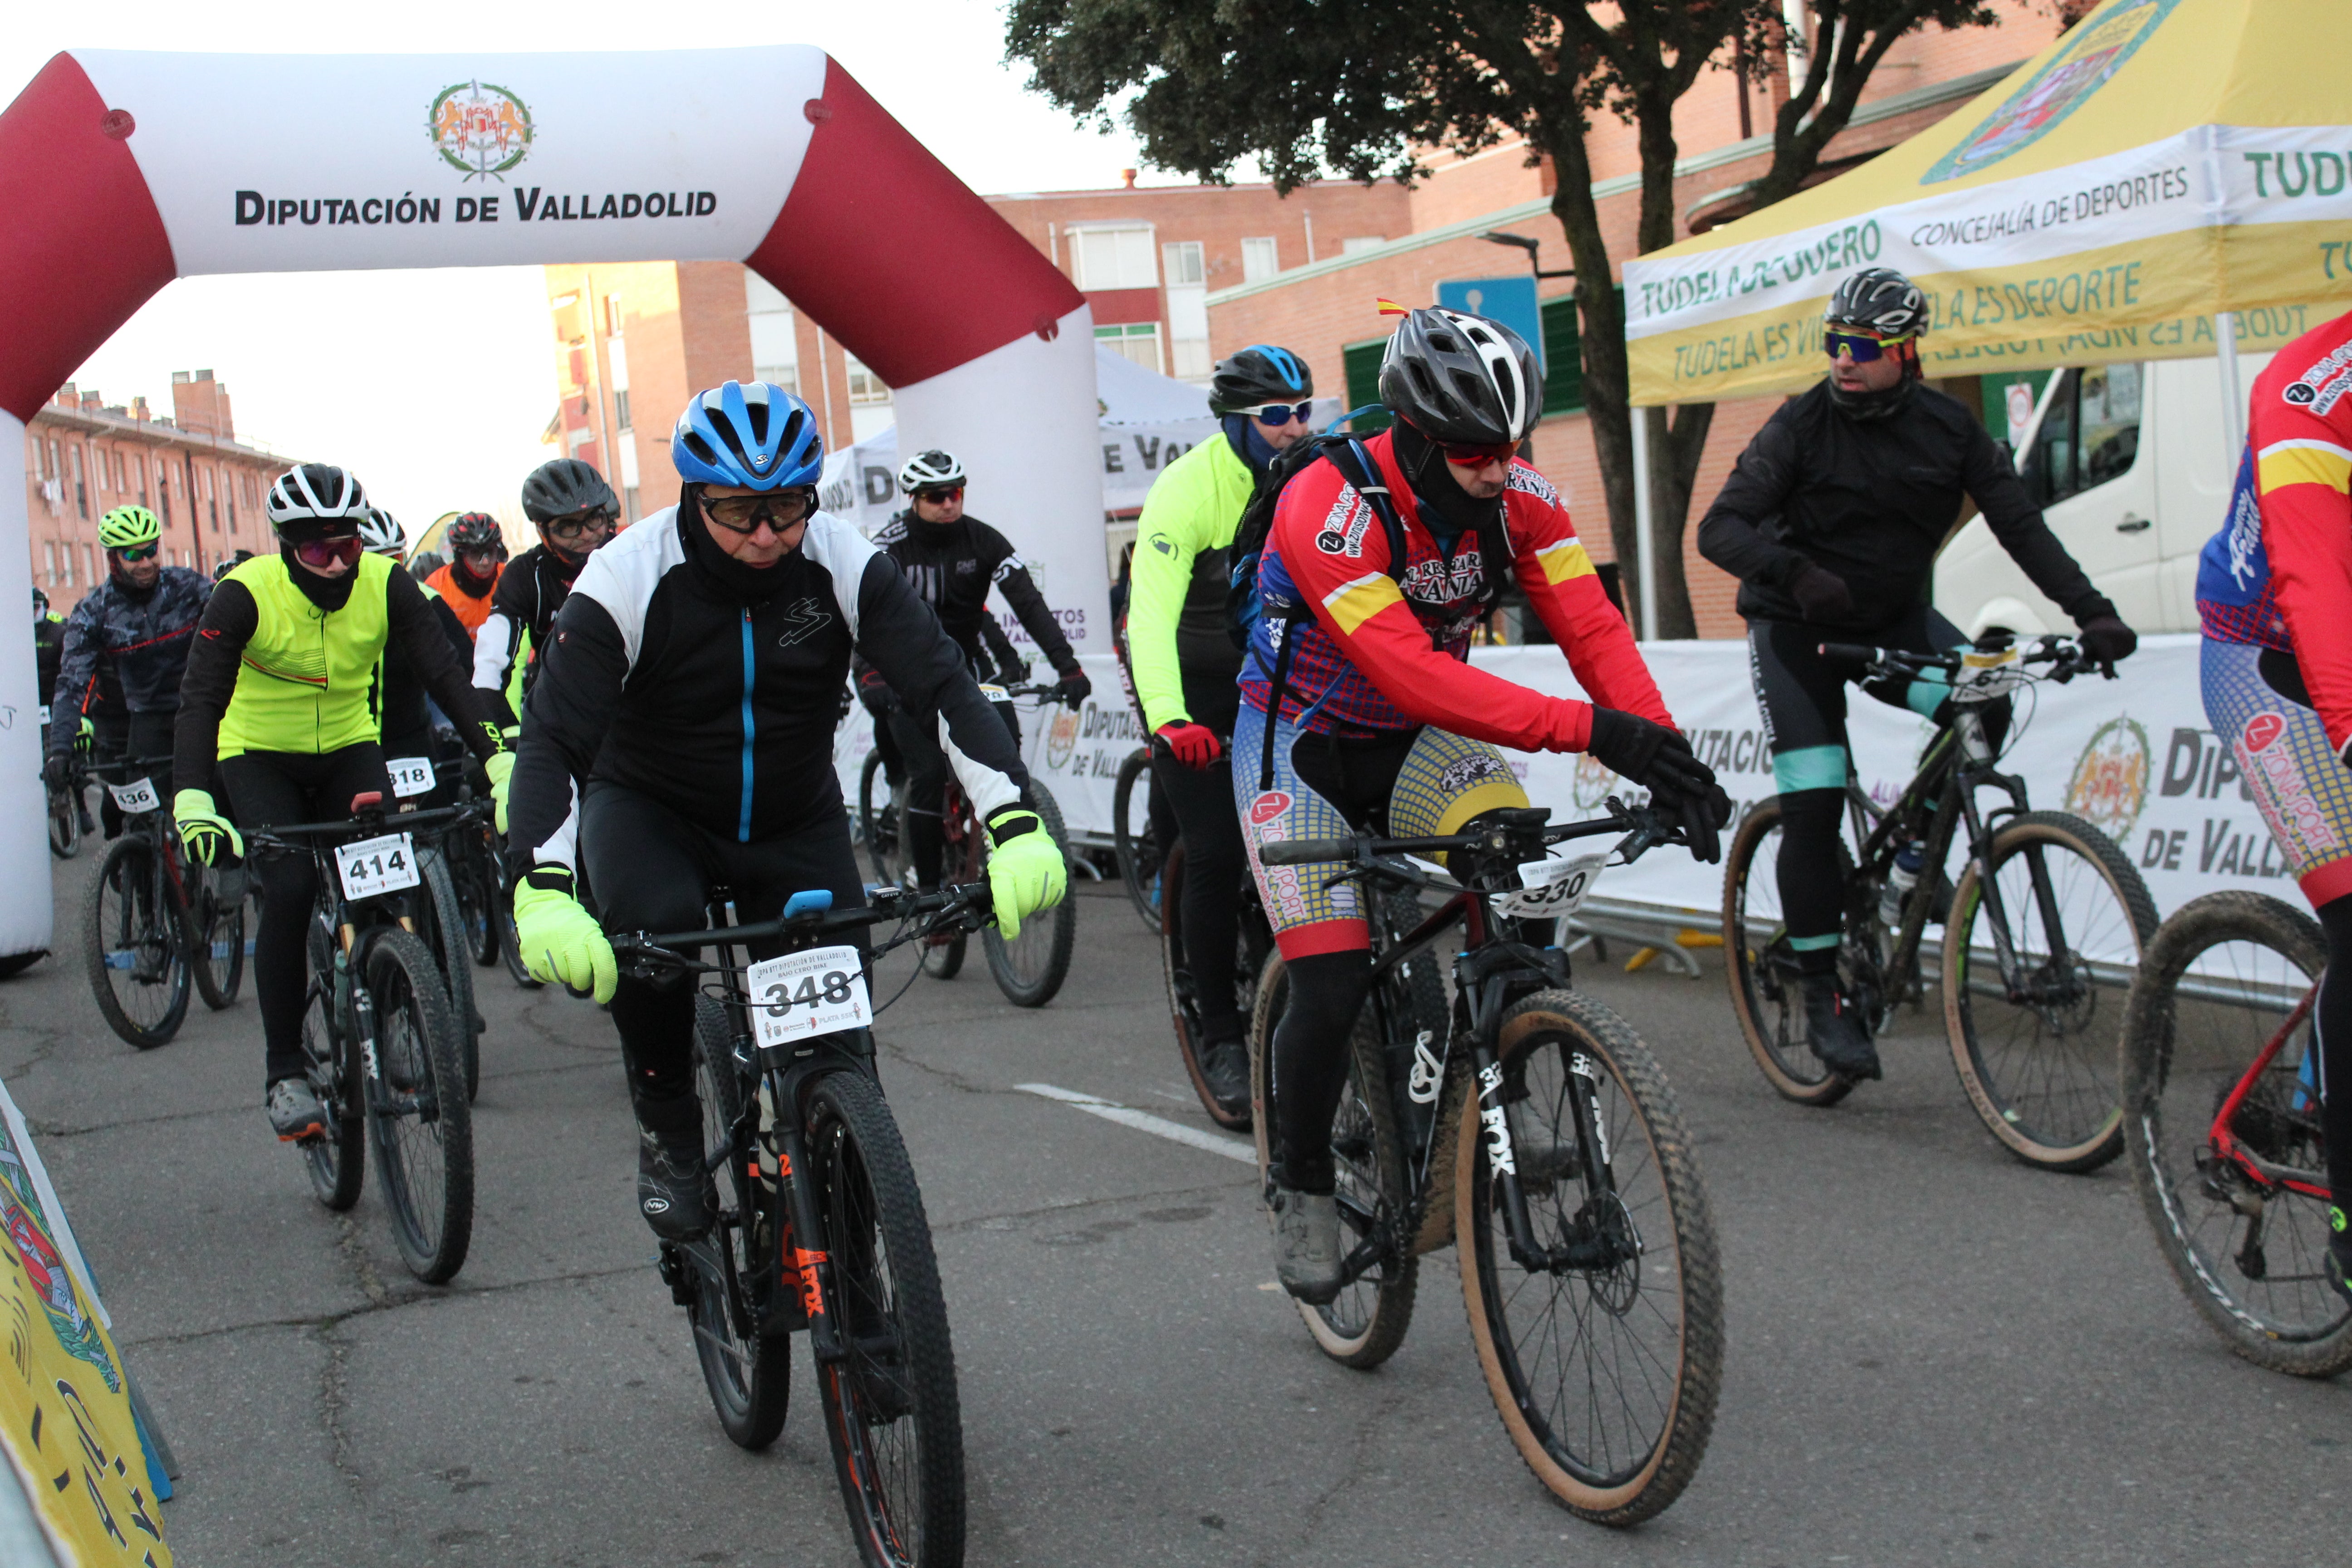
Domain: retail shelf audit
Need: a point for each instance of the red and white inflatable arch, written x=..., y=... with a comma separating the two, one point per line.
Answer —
x=120, y=172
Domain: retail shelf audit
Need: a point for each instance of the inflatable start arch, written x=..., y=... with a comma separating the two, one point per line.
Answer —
x=120, y=172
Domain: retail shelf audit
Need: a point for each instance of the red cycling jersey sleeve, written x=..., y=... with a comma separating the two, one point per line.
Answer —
x=2301, y=434
x=1335, y=557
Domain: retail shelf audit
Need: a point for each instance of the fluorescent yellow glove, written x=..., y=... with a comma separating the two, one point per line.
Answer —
x=202, y=827
x=561, y=941
x=1025, y=869
x=500, y=767
x=85, y=737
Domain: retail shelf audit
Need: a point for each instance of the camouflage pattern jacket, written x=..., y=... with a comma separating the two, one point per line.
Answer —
x=144, y=641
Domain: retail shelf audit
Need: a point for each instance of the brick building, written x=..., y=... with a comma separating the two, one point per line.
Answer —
x=84, y=458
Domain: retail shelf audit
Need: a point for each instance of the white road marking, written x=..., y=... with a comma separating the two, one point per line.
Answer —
x=1144, y=1122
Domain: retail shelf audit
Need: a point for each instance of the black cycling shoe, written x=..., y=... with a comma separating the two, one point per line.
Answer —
x=674, y=1193
x=1836, y=1031
x=1224, y=1067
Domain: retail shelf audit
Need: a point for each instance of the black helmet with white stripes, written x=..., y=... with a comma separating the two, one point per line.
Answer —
x=1456, y=377
x=317, y=498
x=1882, y=300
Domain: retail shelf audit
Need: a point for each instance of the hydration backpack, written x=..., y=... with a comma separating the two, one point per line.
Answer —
x=1355, y=464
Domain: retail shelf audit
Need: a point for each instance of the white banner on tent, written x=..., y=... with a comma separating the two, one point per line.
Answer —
x=2133, y=755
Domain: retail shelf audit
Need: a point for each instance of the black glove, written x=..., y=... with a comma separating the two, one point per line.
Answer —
x=1660, y=761
x=1075, y=688
x=2107, y=640
x=1821, y=594
x=844, y=712
x=876, y=693
x=1702, y=817
x=56, y=770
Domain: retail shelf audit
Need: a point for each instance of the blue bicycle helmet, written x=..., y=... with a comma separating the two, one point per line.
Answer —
x=748, y=434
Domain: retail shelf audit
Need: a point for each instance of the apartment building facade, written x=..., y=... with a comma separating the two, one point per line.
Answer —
x=84, y=456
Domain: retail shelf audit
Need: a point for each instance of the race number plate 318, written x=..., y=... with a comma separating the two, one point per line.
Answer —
x=818, y=991
x=1554, y=886
x=137, y=796
x=410, y=776
x=374, y=866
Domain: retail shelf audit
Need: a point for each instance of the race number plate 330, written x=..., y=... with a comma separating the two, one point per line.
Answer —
x=137, y=796
x=1553, y=887
x=800, y=995
x=410, y=776
x=374, y=866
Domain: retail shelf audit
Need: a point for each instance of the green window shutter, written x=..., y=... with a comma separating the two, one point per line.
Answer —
x=1363, y=363
x=1563, y=357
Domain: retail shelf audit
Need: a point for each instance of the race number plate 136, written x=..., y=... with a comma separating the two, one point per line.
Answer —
x=375, y=866
x=818, y=991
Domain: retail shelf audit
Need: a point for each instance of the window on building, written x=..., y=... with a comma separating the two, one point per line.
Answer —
x=1113, y=256
x=612, y=315
x=1188, y=310
x=81, y=490
x=1362, y=364
x=629, y=499
x=1358, y=243
x=864, y=386
x=1138, y=341
x=775, y=333
x=50, y=554
x=88, y=566
x=1261, y=259
x=620, y=410
x=1183, y=262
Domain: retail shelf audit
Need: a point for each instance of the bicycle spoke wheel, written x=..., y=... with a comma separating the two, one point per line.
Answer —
x=1605, y=1356
x=65, y=824
x=1141, y=856
x=1363, y=1326
x=417, y=1116
x=1766, y=994
x=748, y=1374
x=441, y=923
x=137, y=971
x=2037, y=1055
x=1030, y=968
x=478, y=895
x=337, y=1161
x=216, y=932
x=891, y=1407
x=2223, y=977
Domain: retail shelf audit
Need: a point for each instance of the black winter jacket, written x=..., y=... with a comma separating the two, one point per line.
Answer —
x=144, y=641
x=953, y=565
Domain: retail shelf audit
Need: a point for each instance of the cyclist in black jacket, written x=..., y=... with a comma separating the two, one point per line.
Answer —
x=1831, y=520
x=953, y=561
x=402, y=708
x=575, y=511
x=680, y=736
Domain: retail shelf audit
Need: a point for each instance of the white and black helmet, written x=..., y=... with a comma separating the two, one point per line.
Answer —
x=1462, y=378
x=313, y=494
x=933, y=469
x=1882, y=300
x=380, y=534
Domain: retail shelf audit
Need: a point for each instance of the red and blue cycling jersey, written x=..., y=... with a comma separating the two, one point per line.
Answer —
x=1388, y=652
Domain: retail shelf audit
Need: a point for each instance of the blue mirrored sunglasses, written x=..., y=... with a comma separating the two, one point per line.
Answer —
x=1282, y=413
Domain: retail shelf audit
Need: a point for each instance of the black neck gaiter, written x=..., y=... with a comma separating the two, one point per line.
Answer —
x=330, y=593
x=744, y=585
x=1446, y=509
x=1866, y=406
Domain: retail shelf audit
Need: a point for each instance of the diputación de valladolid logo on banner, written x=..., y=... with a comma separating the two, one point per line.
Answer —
x=2047, y=97
x=481, y=130
x=2109, y=785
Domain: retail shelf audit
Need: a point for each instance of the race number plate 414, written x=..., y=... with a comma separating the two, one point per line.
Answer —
x=374, y=866
x=1553, y=887
x=800, y=995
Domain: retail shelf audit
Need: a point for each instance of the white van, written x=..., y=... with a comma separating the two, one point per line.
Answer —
x=2128, y=464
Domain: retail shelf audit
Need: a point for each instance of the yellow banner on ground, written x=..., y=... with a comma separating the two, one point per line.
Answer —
x=64, y=1403
x=2163, y=161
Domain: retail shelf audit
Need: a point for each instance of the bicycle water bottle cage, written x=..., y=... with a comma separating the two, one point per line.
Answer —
x=808, y=901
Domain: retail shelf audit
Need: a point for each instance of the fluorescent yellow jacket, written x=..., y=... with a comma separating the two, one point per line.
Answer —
x=1176, y=605
x=307, y=678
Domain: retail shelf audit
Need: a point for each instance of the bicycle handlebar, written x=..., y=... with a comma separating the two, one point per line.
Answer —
x=279, y=834
x=2063, y=653
x=1642, y=828
x=643, y=955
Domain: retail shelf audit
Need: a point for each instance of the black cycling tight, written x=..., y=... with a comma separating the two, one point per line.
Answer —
x=2332, y=1021
x=1326, y=989
x=1215, y=864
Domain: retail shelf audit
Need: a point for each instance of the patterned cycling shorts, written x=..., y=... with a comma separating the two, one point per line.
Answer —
x=1445, y=780
x=2304, y=794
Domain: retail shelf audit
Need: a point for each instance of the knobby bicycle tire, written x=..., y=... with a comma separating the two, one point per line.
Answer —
x=64, y=823
x=337, y=1162
x=891, y=1412
x=2051, y=1099
x=1765, y=997
x=749, y=1376
x=1600, y=1474
x=441, y=923
x=473, y=873
x=1365, y=1323
x=215, y=936
x=1030, y=968
x=134, y=939
x=1143, y=858
x=2254, y=1277
x=427, y=1177
x=878, y=822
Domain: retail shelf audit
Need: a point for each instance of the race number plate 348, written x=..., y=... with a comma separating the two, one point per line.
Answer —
x=374, y=866
x=410, y=776
x=800, y=995
x=138, y=795
x=1554, y=886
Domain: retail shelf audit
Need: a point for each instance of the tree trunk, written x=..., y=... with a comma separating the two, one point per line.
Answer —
x=1602, y=322
x=1675, y=454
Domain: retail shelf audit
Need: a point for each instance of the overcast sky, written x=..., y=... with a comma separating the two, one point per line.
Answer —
x=434, y=386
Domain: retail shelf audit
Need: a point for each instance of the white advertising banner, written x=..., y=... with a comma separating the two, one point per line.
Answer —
x=2133, y=755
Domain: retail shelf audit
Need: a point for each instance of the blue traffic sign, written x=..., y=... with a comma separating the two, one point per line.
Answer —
x=1511, y=300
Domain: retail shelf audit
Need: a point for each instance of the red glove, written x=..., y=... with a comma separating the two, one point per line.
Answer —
x=1192, y=744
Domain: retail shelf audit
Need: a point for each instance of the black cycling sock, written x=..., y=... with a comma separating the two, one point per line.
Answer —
x=674, y=1119
x=1310, y=1063
x=2332, y=1020
x=1808, y=873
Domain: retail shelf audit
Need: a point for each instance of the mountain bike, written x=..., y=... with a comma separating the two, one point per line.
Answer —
x=449, y=929
x=1529, y=1125
x=820, y=1224
x=1136, y=836
x=2040, y=927
x=380, y=1046
x=155, y=923
x=2222, y=1115
x=1030, y=968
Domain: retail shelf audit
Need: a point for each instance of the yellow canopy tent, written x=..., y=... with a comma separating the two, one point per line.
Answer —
x=2163, y=163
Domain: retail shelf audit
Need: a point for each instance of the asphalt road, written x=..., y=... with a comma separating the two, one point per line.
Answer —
x=1934, y=1355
